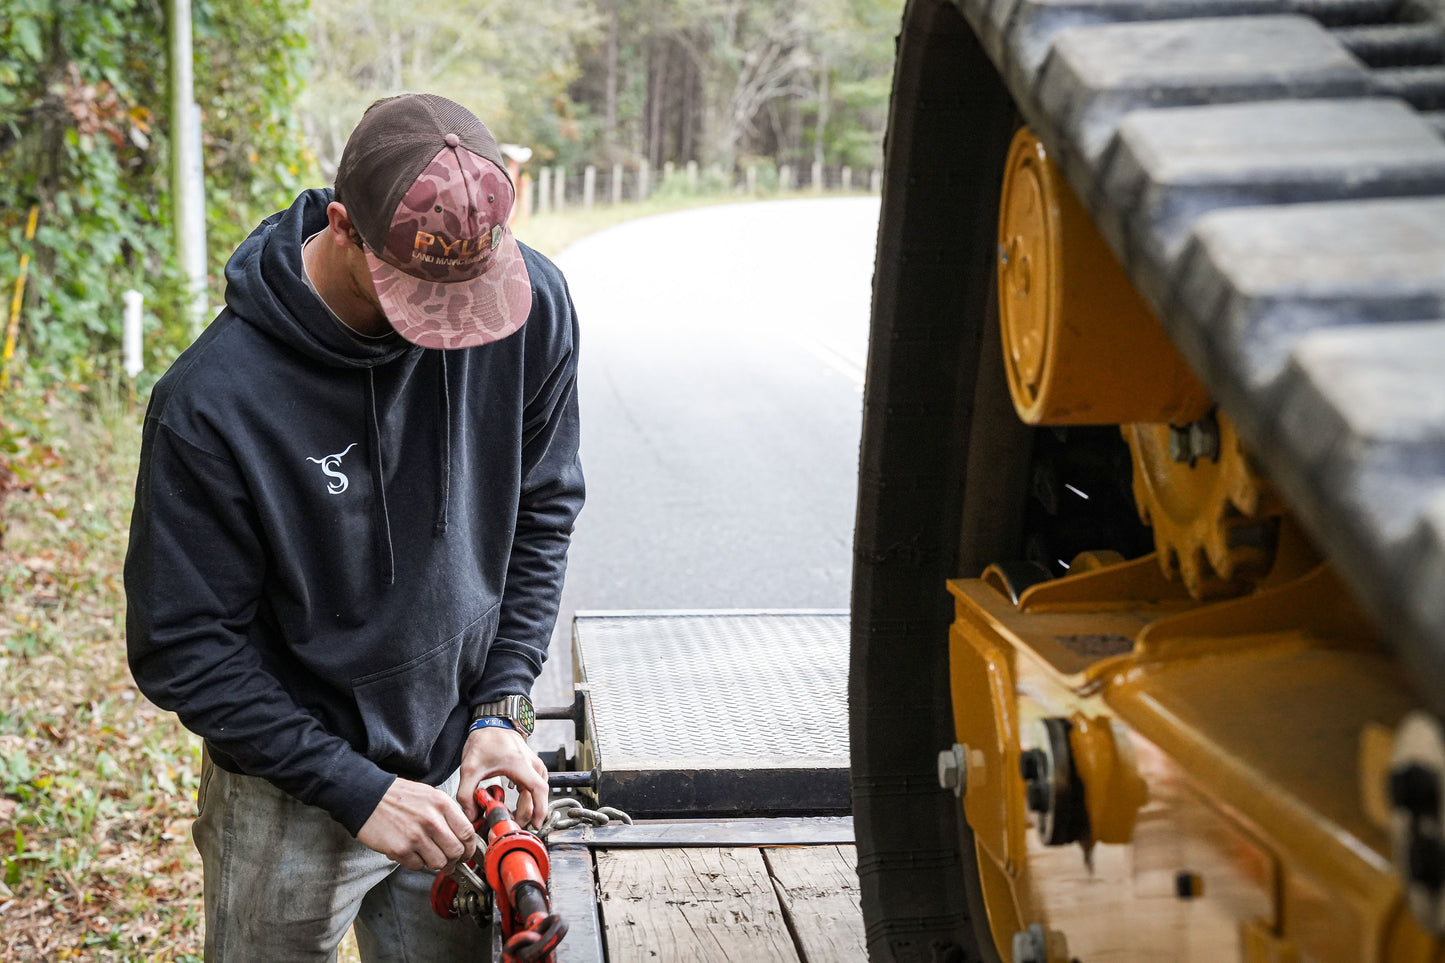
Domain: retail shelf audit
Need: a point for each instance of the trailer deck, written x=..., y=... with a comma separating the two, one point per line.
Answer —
x=725, y=735
x=747, y=889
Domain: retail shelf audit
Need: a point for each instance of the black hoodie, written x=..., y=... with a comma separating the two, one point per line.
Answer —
x=340, y=546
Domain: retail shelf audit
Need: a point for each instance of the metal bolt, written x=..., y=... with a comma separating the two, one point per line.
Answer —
x=1204, y=438
x=1031, y=945
x=1417, y=833
x=1033, y=764
x=1416, y=790
x=1196, y=440
x=1427, y=862
x=1037, y=797
x=1034, y=768
x=953, y=769
x=1179, y=444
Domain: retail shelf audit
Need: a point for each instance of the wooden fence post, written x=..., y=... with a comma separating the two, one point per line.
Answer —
x=529, y=199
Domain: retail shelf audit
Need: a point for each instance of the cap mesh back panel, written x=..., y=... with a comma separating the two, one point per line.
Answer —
x=394, y=142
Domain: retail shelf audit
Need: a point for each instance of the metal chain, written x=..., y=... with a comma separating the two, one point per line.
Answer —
x=567, y=813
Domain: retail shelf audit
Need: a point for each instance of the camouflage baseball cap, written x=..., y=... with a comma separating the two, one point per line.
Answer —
x=423, y=181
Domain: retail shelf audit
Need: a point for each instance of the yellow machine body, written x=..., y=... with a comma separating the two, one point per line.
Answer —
x=1228, y=816
x=1228, y=709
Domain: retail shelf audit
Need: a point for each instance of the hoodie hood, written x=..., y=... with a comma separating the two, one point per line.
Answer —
x=266, y=289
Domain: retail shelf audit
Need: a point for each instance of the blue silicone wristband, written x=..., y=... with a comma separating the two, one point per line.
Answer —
x=492, y=722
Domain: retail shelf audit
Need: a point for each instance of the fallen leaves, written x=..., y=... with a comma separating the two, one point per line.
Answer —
x=96, y=785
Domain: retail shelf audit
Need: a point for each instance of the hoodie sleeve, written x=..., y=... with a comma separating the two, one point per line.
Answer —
x=551, y=496
x=193, y=578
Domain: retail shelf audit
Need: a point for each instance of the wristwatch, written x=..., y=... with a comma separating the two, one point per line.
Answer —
x=516, y=709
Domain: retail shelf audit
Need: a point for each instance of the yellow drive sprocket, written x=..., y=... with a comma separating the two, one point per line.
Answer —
x=1215, y=520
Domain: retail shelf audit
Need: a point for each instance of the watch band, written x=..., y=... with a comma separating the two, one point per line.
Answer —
x=491, y=722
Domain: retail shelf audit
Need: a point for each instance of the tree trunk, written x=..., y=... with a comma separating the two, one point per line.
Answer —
x=656, y=91
x=609, y=117
x=821, y=131
x=688, y=115
x=395, y=57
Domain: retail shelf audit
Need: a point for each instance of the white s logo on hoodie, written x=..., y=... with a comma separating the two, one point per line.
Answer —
x=339, y=482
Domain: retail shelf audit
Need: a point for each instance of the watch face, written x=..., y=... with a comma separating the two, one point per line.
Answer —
x=526, y=717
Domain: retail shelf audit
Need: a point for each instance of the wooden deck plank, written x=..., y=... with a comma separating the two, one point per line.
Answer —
x=690, y=906
x=818, y=888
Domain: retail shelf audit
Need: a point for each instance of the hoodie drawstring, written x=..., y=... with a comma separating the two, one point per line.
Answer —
x=444, y=442
x=376, y=479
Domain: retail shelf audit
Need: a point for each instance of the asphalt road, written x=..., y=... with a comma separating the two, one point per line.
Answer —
x=723, y=351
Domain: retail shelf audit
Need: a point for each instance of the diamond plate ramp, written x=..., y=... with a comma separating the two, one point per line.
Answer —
x=716, y=713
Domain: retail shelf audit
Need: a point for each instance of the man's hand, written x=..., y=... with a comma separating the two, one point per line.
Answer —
x=496, y=751
x=420, y=827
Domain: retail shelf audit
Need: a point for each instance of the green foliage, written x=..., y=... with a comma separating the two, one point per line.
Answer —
x=509, y=61
x=27, y=453
x=708, y=182
x=83, y=122
x=251, y=61
x=77, y=140
x=854, y=47
x=766, y=179
x=608, y=81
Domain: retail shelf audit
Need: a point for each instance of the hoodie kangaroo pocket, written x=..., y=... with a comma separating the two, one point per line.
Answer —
x=404, y=708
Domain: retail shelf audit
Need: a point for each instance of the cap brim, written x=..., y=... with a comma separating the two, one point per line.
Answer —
x=458, y=314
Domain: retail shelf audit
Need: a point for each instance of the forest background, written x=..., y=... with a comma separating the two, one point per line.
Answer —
x=96, y=786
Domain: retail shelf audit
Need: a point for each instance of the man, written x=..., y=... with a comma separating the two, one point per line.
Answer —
x=355, y=498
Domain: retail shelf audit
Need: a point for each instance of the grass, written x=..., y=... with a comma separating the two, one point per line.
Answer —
x=97, y=786
x=552, y=233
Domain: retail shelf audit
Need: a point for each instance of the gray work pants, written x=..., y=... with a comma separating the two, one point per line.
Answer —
x=284, y=881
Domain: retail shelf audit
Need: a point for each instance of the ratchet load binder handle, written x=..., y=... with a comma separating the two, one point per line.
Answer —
x=515, y=866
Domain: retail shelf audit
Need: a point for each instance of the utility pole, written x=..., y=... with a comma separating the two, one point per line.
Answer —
x=188, y=190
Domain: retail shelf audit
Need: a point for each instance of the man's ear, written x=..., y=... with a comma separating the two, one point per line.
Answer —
x=343, y=234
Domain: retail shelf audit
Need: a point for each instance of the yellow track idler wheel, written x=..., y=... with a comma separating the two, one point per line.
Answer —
x=1215, y=521
x=1080, y=346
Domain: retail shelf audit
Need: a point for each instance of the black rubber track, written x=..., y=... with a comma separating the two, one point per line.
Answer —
x=1295, y=261
x=1275, y=188
x=936, y=411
